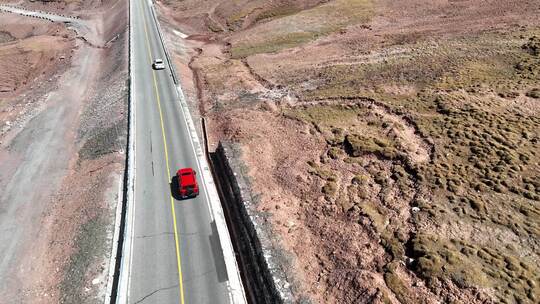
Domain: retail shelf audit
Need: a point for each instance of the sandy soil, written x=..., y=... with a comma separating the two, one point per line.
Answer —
x=31, y=54
x=63, y=138
x=392, y=142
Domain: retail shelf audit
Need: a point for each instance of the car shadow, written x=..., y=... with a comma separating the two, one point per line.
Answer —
x=174, y=189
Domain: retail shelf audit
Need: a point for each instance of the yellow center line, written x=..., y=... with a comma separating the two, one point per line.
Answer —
x=176, y=236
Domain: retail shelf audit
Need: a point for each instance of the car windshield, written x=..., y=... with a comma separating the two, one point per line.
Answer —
x=159, y=61
x=186, y=173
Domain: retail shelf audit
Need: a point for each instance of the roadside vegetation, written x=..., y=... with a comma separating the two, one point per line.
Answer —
x=400, y=139
x=482, y=178
x=286, y=27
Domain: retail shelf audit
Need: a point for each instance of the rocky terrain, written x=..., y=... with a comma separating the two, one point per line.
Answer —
x=31, y=51
x=63, y=100
x=393, y=144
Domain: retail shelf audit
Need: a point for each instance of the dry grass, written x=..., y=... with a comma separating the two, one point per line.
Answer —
x=274, y=44
x=456, y=81
x=445, y=65
x=485, y=163
x=471, y=265
x=296, y=29
x=277, y=12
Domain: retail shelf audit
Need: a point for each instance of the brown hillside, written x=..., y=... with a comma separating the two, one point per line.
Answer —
x=393, y=143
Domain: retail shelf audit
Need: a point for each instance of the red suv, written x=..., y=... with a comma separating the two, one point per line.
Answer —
x=187, y=183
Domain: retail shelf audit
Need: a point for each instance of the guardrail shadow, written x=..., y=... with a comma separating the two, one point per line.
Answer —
x=219, y=260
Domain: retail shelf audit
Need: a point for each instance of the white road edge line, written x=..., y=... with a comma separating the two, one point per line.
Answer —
x=122, y=295
x=235, y=286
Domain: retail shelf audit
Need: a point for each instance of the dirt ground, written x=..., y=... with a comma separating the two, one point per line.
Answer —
x=61, y=150
x=31, y=51
x=393, y=143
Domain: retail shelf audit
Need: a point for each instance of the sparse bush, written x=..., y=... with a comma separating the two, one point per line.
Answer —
x=357, y=145
x=397, y=286
x=360, y=179
x=319, y=171
x=330, y=189
x=335, y=153
x=534, y=93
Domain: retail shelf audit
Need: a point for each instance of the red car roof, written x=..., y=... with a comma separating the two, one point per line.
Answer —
x=186, y=177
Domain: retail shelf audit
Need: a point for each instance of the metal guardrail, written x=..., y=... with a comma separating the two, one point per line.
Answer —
x=37, y=14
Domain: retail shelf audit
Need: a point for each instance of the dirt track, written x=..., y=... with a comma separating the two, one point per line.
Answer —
x=38, y=175
x=60, y=164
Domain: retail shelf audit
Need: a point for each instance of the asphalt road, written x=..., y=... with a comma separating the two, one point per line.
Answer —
x=176, y=256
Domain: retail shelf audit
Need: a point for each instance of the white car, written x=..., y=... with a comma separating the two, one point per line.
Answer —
x=158, y=64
